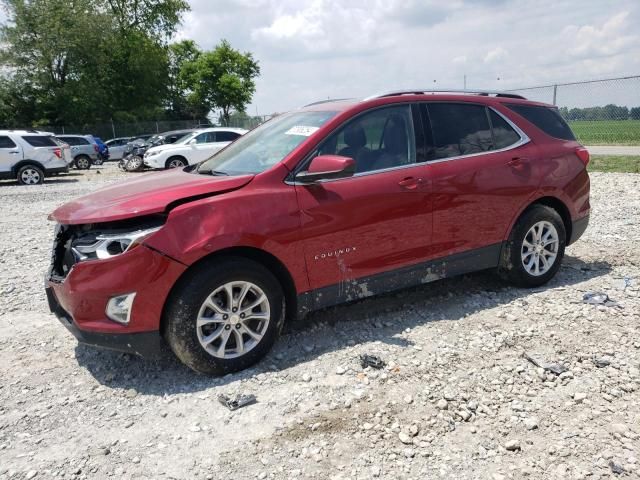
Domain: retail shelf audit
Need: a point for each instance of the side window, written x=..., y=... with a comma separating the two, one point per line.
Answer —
x=380, y=139
x=226, y=136
x=6, y=142
x=82, y=141
x=202, y=138
x=39, y=141
x=503, y=135
x=458, y=129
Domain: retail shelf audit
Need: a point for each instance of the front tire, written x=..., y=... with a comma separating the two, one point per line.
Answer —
x=224, y=316
x=134, y=164
x=30, y=175
x=175, y=162
x=534, y=251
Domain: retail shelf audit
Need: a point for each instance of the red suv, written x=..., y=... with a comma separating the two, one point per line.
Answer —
x=331, y=203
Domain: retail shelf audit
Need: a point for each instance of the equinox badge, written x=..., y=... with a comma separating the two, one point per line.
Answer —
x=335, y=253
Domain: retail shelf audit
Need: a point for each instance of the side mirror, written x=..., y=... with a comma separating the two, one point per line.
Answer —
x=192, y=141
x=327, y=167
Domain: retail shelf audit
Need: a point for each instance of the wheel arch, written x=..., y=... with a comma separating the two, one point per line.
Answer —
x=552, y=202
x=25, y=162
x=266, y=259
x=179, y=156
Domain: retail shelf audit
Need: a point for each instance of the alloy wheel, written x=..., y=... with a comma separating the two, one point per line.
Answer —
x=82, y=163
x=540, y=248
x=175, y=163
x=134, y=163
x=233, y=319
x=30, y=176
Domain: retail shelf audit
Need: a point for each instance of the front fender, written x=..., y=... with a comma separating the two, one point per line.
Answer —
x=256, y=216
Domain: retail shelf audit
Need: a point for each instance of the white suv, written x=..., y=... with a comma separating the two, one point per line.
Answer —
x=193, y=148
x=29, y=155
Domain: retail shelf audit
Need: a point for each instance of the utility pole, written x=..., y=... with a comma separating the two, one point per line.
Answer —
x=465, y=81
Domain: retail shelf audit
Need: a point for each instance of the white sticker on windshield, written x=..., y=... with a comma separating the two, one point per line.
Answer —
x=301, y=130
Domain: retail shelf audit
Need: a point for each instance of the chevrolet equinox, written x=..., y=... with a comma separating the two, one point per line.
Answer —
x=334, y=202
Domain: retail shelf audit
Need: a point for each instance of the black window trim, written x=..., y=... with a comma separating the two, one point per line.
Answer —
x=524, y=138
x=418, y=134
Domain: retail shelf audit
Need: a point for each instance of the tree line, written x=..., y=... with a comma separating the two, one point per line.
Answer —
x=73, y=62
x=608, y=112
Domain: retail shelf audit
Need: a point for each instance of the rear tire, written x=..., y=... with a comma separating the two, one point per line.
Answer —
x=30, y=175
x=533, y=254
x=82, y=162
x=201, y=315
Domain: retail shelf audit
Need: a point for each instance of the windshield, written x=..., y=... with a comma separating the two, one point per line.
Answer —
x=265, y=145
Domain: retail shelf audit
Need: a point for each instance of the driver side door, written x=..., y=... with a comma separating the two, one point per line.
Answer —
x=361, y=232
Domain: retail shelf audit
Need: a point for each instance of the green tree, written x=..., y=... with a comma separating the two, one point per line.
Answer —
x=79, y=61
x=634, y=113
x=180, y=102
x=222, y=79
x=159, y=18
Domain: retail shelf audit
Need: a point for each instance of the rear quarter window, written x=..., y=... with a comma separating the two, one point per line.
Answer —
x=547, y=119
x=39, y=141
x=6, y=142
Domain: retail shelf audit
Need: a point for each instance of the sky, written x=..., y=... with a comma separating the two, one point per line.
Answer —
x=311, y=50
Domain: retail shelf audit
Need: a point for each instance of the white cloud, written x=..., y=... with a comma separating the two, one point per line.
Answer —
x=495, y=55
x=314, y=49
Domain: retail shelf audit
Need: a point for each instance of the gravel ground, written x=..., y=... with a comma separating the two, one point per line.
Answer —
x=457, y=400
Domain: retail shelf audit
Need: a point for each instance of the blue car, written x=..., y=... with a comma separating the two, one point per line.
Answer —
x=103, y=151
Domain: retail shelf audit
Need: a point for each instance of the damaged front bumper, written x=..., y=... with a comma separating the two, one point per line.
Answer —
x=79, y=297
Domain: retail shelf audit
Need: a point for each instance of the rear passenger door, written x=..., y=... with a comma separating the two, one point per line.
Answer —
x=480, y=166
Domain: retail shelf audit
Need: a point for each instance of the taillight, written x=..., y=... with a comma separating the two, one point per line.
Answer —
x=57, y=152
x=583, y=155
x=95, y=147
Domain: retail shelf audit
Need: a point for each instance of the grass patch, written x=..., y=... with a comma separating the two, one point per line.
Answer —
x=614, y=163
x=607, y=132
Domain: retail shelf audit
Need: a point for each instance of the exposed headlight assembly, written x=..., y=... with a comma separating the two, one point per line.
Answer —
x=101, y=246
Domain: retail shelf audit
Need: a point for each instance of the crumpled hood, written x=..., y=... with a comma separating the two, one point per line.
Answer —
x=147, y=194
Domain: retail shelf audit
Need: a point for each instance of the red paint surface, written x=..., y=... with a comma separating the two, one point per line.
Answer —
x=324, y=233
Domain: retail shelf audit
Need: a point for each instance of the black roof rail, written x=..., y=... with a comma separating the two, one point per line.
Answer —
x=419, y=91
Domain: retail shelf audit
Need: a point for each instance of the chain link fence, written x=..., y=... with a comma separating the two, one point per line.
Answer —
x=600, y=112
x=114, y=129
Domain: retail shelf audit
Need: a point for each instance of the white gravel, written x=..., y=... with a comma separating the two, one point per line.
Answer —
x=456, y=400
